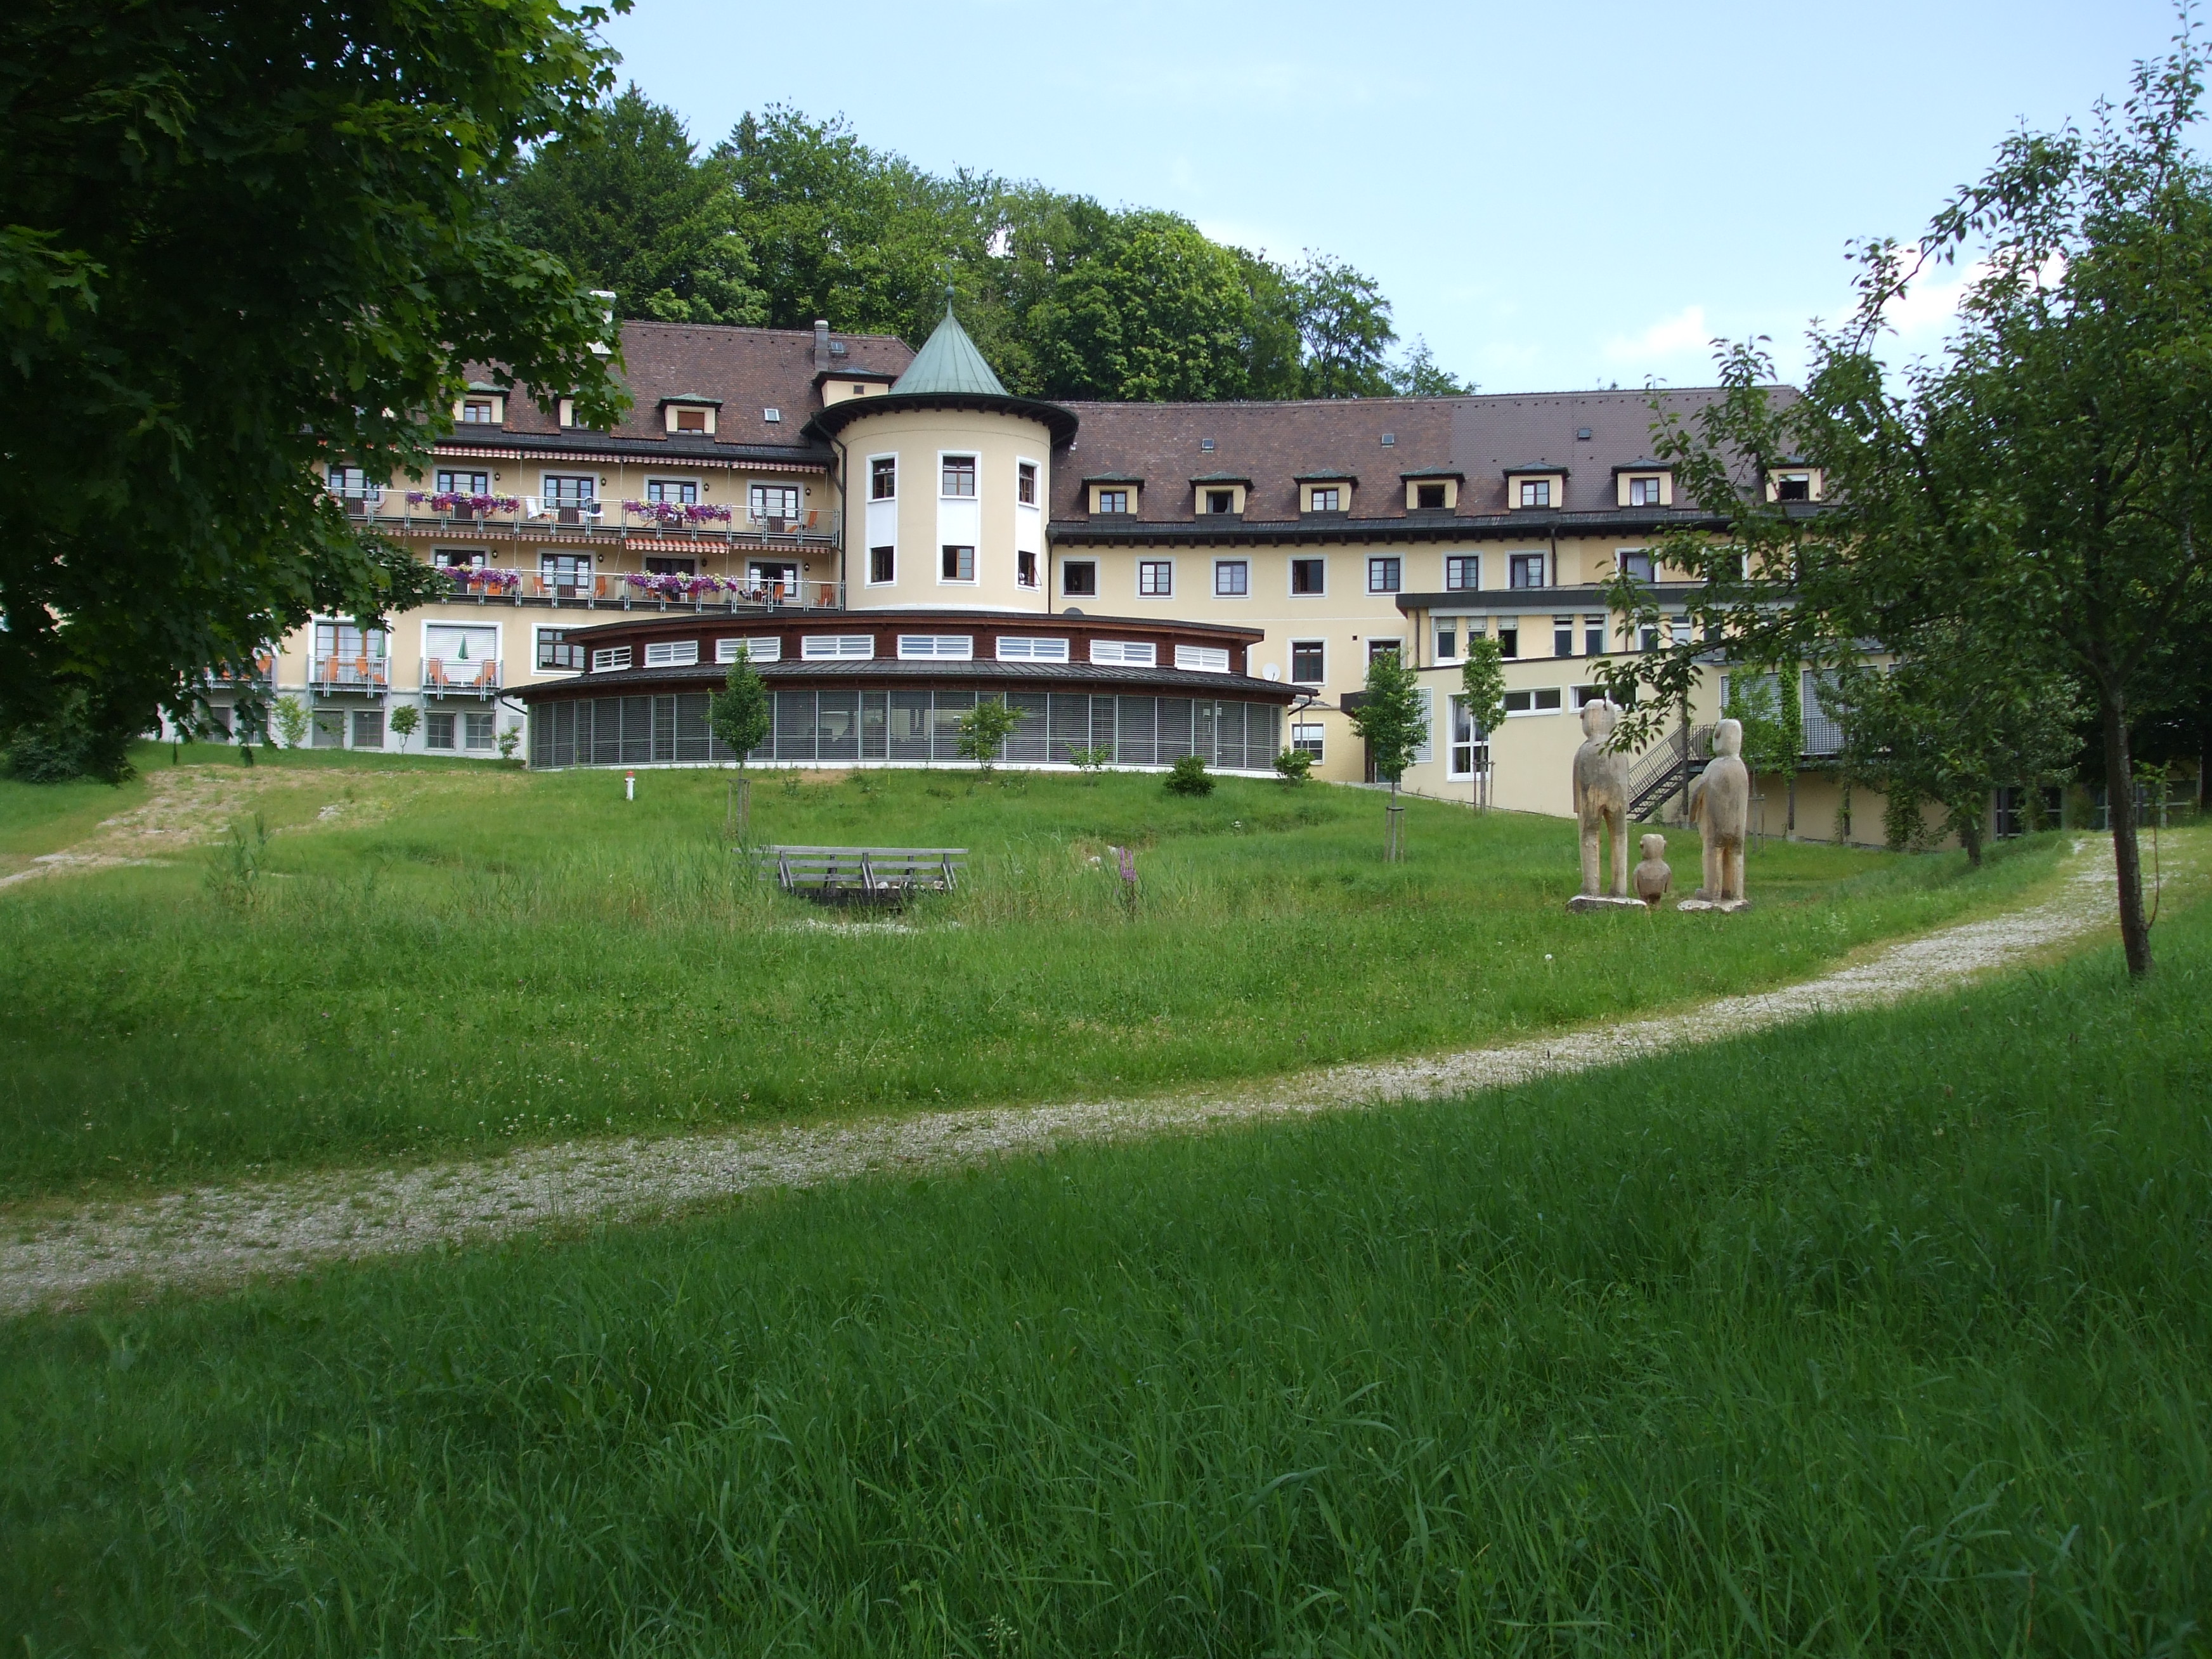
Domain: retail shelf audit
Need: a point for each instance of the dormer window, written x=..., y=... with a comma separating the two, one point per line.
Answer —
x=1325, y=498
x=1644, y=483
x=1431, y=490
x=689, y=414
x=1535, y=492
x=1643, y=492
x=1793, y=486
x=1113, y=501
x=1113, y=492
x=477, y=411
x=1541, y=486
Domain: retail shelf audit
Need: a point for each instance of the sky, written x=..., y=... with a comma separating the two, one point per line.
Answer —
x=1554, y=196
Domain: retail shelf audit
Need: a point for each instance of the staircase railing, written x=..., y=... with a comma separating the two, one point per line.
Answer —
x=1665, y=767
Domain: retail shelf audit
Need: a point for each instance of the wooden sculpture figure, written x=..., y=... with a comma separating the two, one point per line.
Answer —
x=1654, y=875
x=1720, y=805
x=1601, y=797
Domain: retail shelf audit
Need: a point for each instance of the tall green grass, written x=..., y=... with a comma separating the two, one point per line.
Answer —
x=1885, y=1334
x=505, y=957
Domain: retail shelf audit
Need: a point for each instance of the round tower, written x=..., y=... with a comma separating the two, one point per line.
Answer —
x=947, y=480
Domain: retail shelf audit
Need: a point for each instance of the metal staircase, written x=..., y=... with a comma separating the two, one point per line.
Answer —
x=1663, y=770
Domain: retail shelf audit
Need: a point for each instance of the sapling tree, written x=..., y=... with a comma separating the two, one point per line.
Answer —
x=2039, y=492
x=290, y=716
x=983, y=729
x=405, y=720
x=1389, y=716
x=738, y=715
x=1482, y=684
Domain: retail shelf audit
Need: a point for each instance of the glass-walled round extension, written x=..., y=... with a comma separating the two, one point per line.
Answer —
x=852, y=690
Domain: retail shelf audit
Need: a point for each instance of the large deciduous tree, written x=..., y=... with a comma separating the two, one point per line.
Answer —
x=628, y=206
x=237, y=243
x=2039, y=495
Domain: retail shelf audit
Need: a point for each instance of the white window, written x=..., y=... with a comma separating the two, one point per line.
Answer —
x=757, y=651
x=959, y=645
x=1156, y=578
x=1130, y=653
x=671, y=653
x=1470, y=747
x=460, y=651
x=1448, y=639
x=1232, y=578
x=1544, y=700
x=1306, y=738
x=610, y=657
x=1016, y=647
x=766, y=502
x=815, y=647
x=1205, y=658
x=1423, y=752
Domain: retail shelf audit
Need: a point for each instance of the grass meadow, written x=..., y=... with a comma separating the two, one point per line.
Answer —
x=1888, y=1333
x=427, y=957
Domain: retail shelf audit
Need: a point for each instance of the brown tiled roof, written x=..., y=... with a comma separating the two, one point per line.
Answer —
x=747, y=369
x=1275, y=444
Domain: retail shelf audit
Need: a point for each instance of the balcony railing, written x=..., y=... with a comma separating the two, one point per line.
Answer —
x=417, y=512
x=635, y=590
x=263, y=678
x=476, y=678
x=349, y=674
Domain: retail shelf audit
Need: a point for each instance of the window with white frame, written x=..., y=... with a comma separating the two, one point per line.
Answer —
x=1543, y=699
x=1562, y=636
x=1587, y=695
x=957, y=564
x=1425, y=750
x=1202, y=658
x=677, y=492
x=961, y=646
x=555, y=650
x=460, y=650
x=1384, y=575
x=1509, y=636
x=757, y=651
x=1232, y=578
x=883, y=478
x=1306, y=737
x=1469, y=751
x=1535, y=492
x=671, y=653
x=1025, y=483
x=1130, y=653
x=1527, y=570
x=1023, y=648
x=569, y=489
x=1156, y=578
x=1447, y=638
x=1463, y=570
x=815, y=647
x=1593, y=636
x=766, y=503
x=606, y=658
x=958, y=476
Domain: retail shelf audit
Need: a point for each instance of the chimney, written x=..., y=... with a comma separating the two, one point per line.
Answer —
x=821, y=343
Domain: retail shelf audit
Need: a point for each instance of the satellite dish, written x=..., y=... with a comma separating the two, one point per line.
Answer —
x=1272, y=671
x=1070, y=611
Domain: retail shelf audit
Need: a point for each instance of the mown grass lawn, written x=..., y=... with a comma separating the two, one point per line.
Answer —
x=1882, y=1334
x=429, y=957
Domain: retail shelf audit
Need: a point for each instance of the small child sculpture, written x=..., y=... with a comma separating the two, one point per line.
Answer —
x=1653, y=876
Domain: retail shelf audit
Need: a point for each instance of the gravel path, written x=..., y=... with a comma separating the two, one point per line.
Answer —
x=214, y=1236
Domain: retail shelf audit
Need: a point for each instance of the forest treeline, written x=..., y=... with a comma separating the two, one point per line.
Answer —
x=790, y=219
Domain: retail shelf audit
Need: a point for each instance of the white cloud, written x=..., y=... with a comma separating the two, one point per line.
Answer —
x=1671, y=337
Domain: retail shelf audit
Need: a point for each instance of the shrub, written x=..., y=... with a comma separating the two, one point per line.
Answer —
x=68, y=746
x=1189, y=777
x=1295, y=765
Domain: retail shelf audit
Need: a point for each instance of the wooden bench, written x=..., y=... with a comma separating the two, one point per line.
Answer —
x=864, y=875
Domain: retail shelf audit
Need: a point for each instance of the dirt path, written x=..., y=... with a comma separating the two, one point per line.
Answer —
x=214, y=1236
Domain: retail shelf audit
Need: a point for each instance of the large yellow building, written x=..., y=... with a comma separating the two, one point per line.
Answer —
x=884, y=524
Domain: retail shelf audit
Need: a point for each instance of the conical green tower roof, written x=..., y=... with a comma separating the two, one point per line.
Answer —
x=948, y=363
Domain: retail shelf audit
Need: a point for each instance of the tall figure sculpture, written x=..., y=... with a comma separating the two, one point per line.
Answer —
x=1601, y=797
x=1720, y=805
